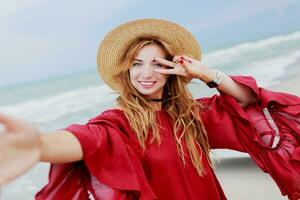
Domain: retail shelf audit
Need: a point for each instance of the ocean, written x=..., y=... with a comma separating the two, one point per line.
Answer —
x=57, y=102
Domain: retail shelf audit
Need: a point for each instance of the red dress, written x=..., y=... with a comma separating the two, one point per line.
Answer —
x=115, y=167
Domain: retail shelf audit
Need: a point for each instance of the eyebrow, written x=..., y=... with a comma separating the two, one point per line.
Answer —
x=139, y=60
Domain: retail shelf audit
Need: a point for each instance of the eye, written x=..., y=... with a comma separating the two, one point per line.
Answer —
x=136, y=64
x=158, y=65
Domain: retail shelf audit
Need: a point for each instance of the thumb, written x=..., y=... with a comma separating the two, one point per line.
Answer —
x=5, y=122
x=11, y=124
x=184, y=65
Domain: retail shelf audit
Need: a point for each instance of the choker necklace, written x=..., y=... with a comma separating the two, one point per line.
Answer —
x=156, y=100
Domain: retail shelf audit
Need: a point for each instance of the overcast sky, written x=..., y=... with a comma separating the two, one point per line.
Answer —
x=41, y=39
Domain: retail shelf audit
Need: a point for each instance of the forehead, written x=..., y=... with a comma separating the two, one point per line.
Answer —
x=151, y=50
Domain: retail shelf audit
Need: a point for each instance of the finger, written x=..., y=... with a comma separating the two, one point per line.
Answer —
x=186, y=58
x=183, y=63
x=177, y=58
x=165, y=62
x=5, y=122
x=2, y=128
x=166, y=71
x=11, y=123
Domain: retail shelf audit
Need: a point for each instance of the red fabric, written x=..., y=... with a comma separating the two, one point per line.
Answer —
x=66, y=181
x=117, y=163
x=115, y=167
x=235, y=123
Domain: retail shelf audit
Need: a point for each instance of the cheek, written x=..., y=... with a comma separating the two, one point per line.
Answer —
x=162, y=77
x=132, y=75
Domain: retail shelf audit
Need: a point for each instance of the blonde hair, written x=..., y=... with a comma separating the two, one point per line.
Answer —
x=177, y=102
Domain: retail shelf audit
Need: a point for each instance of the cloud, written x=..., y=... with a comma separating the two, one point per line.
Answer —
x=237, y=12
x=52, y=34
x=64, y=35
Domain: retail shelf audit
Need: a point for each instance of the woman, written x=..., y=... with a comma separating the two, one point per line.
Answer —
x=155, y=144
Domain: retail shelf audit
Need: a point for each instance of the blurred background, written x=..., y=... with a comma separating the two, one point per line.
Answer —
x=48, y=57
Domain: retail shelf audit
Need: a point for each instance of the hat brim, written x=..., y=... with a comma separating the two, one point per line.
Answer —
x=116, y=42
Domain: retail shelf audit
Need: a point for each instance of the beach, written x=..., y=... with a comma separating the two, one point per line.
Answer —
x=60, y=101
x=240, y=178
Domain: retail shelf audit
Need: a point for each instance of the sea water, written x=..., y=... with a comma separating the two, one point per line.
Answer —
x=57, y=102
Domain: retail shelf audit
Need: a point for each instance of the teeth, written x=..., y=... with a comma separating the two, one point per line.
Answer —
x=147, y=83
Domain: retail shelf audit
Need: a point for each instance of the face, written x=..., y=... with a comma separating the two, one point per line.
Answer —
x=142, y=75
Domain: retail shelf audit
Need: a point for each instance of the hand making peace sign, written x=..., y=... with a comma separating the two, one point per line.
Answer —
x=183, y=65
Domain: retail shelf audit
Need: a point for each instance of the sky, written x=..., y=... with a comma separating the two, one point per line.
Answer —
x=42, y=39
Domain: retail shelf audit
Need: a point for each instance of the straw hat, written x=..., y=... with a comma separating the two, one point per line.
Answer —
x=115, y=43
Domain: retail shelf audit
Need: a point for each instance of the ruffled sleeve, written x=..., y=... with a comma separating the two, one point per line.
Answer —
x=233, y=127
x=218, y=114
x=114, y=167
x=219, y=125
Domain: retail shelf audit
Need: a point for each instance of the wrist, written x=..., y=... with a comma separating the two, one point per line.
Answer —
x=207, y=75
x=218, y=77
x=35, y=141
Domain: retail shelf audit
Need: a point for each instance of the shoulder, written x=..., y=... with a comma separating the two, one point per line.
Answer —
x=112, y=116
x=208, y=103
x=207, y=100
x=109, y=112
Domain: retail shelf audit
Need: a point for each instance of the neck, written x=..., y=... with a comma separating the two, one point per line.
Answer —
x=156, y=100
x=156, y=105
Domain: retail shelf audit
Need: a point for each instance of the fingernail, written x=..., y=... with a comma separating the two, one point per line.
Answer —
x=181, y=57
x=190, y=61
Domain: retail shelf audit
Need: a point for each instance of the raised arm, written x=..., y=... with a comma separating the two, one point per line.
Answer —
x=183, y=65
x=22, y=146
x=243, y=94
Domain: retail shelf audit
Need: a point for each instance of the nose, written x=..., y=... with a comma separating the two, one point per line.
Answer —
x=147, y=71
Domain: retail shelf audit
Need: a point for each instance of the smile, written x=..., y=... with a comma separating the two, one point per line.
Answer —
x=147, y=84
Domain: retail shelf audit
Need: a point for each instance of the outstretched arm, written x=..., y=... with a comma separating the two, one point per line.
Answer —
x=22, y=146
x=60, y=147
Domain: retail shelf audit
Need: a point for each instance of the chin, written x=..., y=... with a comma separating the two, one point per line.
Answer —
x=150, y=95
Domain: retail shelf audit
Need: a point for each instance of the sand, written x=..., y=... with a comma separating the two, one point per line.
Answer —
x=240, y=178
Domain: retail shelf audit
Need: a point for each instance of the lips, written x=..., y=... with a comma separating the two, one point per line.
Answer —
x=147, y=84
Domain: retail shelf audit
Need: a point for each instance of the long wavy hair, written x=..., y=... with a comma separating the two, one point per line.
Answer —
x=177, y=102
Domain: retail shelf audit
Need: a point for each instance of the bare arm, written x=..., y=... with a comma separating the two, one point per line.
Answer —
x=241, y=93
x=60, y=147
